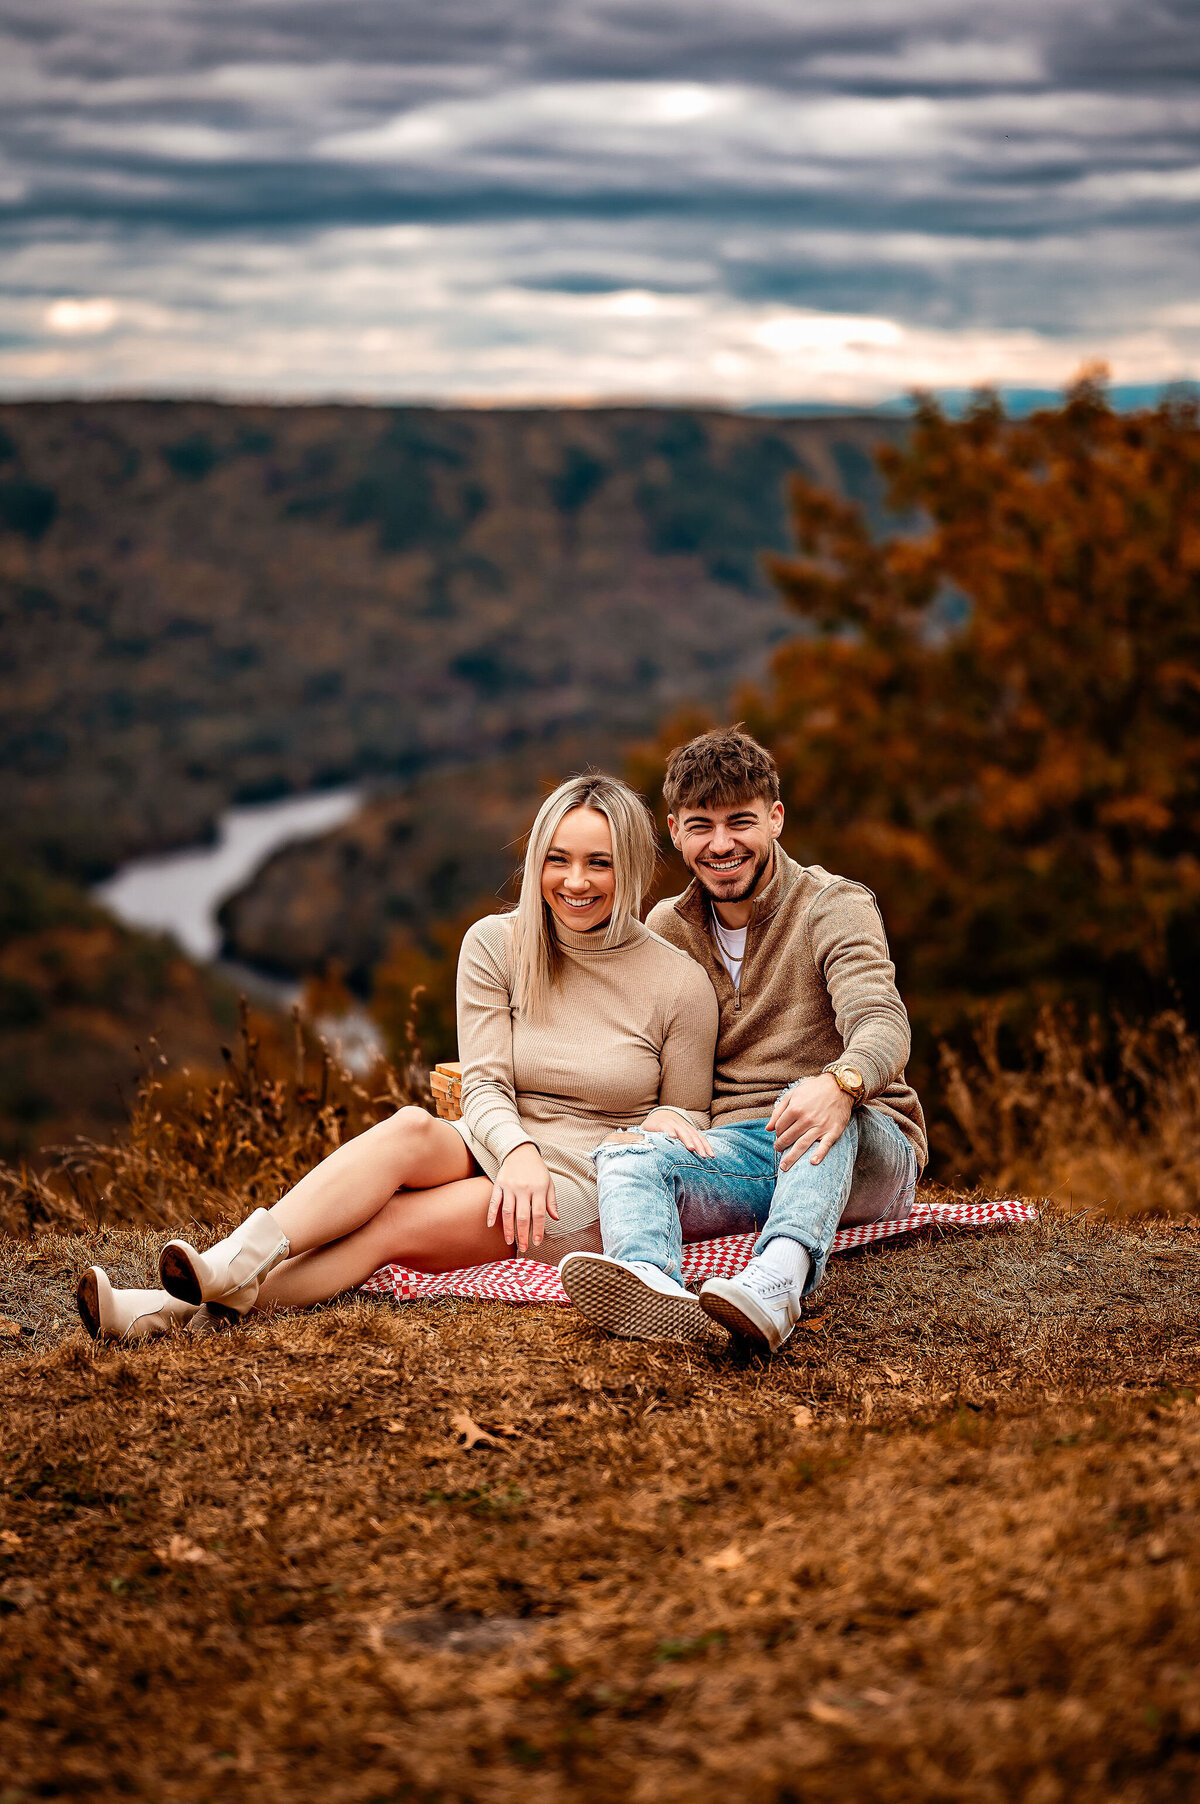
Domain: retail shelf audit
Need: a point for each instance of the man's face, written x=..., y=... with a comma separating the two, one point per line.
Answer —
x=728, y=849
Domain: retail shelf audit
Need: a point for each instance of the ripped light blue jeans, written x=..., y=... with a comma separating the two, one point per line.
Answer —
x=654, y=1194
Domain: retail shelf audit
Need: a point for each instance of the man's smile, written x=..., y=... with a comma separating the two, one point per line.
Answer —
x=734, y=862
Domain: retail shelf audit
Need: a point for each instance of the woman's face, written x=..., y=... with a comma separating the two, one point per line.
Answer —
x=578, y=881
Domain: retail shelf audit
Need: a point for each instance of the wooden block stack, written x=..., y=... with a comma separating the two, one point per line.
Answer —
x=446, y=1083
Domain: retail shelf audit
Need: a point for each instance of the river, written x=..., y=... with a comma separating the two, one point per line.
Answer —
x=180, y=893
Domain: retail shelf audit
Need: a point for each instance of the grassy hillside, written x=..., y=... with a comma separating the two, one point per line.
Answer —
x=84, y=1005
x=943, y=1547
x=201, y=603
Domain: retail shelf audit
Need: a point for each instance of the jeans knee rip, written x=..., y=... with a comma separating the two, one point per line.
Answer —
x=633, y=1140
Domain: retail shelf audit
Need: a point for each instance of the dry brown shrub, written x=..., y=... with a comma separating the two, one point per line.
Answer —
x=1093, y=1114
x=210, y=1151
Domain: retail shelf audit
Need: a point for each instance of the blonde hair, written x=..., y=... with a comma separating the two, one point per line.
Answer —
x=635, y=853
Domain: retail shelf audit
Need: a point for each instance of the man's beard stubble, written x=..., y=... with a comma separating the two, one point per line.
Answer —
x=745, y=891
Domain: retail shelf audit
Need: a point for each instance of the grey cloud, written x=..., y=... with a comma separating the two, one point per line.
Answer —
x=1030, y=165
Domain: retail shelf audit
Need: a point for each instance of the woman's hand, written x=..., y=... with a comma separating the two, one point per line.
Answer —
x=666, y=1121
x=522, y=1197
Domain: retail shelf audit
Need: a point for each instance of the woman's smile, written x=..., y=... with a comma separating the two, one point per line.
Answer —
x=578, y=882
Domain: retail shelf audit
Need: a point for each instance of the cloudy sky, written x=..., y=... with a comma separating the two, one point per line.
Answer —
x=505, y=200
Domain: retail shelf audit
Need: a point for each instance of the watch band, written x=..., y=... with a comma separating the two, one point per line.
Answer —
x=842, y=1076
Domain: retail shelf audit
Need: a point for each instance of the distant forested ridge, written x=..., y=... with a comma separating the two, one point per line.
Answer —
x=203, y=603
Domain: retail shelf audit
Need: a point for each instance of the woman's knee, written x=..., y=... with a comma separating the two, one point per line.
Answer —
x=411, y=1129
x=422, y=1150
x=401, y=1142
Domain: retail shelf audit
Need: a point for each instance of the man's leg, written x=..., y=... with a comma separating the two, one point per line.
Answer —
x=763, y=1302
x=635, y=1184
x=646, y=1182
x=654, y=1192
x=885, y=1172
x=808, y=1203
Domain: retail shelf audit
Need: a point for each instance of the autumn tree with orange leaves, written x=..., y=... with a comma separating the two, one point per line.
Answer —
x=994, y=719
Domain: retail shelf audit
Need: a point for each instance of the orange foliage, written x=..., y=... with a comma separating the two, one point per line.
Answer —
x=994, y=720
x=413, y=989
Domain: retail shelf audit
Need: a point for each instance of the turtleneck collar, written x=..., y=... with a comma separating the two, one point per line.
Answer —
x=593, y=941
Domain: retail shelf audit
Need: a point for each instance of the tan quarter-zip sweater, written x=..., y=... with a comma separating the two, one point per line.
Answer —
x=629, y=1028
x=818, y=986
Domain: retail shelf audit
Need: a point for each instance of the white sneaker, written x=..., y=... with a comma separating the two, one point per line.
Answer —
x=635, y=1300
x=759, y=1304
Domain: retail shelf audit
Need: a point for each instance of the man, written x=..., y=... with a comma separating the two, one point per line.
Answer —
x=813, y=1122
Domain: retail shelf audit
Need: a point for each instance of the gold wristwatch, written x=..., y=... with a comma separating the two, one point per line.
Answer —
x=850, y=1082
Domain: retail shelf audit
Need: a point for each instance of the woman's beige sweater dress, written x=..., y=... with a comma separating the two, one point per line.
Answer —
x=628, y=1028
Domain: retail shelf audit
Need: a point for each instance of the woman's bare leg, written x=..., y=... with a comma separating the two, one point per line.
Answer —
x=434, y=1230
x=409, y=1151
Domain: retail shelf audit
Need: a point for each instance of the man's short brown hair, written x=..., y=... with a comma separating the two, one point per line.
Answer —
x=718, y=770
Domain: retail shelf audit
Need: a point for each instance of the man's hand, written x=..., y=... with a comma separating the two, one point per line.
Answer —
x=666, y=1121
x=523, y=1196
x=814, y=1109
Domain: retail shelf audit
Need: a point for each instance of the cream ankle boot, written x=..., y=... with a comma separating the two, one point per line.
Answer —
x=210, y=1318
x=110, y=1314
x=229, y=1273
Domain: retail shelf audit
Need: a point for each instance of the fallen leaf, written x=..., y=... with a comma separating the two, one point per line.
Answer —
x=895, y=1376
x=393, y=1427
x=179, y=1551
x=828, y=1713
x=728, y=1560
x=19, y=1594
x=803, y=1417
x=470, y=1433
x=10, y=1541
x=9, y=1330
x=816, y=1324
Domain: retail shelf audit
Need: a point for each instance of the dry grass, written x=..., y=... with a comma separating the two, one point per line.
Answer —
x=210, y=1152
x=1094, y=1115
x=1102, y=1115
x=942, y=1548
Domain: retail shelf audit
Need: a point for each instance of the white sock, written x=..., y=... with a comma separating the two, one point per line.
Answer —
x=789, y=1259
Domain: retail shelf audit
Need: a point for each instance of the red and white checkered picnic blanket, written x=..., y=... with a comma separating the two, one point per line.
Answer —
x=533, y=1281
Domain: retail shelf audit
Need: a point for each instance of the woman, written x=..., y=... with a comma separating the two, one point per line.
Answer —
x=574, y=1022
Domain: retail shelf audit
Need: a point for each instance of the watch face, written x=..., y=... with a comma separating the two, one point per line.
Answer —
x=850, y=1078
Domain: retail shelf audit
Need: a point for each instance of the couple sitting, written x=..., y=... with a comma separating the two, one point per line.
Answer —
x=596, y=1052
